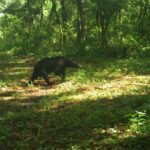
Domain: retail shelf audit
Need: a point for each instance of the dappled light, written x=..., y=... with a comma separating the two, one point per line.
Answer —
x=74, y=75
x=89, y=110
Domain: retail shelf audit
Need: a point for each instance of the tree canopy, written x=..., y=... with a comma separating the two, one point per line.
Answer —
x=30, y=26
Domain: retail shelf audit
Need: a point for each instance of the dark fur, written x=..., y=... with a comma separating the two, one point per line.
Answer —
x=55, y=65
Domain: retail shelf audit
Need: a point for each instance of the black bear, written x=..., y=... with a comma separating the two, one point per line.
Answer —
x=55, y=65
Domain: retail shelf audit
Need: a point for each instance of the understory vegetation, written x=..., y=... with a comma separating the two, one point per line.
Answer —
x=103, y=105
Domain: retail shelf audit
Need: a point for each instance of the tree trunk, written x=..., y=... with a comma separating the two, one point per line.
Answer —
x=81, y=26
x=41, y=11
x=29, y=24
x=64, y=20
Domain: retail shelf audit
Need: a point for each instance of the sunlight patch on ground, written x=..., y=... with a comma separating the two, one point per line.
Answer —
x=72, y=92
x=109, y=82
x=87, y=107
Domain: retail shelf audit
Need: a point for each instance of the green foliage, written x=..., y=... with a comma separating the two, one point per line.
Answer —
x=93, y=109
x=140, y=122
x=4, y=132
x=29, y=27
x=88, y=111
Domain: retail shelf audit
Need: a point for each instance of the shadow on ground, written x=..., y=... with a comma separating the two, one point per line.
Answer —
x=34, y=123
x=14, y=69
x=50, y=122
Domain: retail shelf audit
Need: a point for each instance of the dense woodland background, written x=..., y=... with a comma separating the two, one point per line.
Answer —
x=104, y=105
x=76, y=26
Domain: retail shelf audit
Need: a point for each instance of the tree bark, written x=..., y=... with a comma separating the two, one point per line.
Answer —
x=81, y=25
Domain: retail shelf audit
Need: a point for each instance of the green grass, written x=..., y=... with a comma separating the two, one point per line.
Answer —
x=104, y=105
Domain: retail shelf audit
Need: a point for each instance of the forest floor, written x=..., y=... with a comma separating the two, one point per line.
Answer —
x=105, y=105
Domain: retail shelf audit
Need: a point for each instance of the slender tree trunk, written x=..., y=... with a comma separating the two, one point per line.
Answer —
x=53, y=12
x=29, y=24
x=64, y=20
x=41, y=11
x=80, y=25
x=102, y=23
